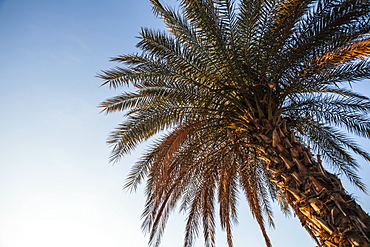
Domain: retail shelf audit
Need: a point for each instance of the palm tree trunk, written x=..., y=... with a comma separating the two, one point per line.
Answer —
x=317, y=197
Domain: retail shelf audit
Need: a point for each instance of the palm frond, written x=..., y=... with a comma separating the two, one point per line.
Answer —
x=333, y=145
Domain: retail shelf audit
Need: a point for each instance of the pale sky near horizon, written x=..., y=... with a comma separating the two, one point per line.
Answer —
x=57, y=187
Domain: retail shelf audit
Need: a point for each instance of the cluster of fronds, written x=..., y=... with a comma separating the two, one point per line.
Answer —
x=220, y=66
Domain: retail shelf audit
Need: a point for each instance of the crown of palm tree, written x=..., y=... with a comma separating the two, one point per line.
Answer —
x=205, y=82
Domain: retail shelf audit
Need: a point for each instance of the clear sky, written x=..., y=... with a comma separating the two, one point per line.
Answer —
x=56, y=185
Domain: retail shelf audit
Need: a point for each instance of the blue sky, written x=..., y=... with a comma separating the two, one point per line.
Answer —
x=56, y=185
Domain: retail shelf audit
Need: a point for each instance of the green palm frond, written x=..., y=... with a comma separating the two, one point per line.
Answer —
x=334, y=147
x=349, y=72
x=333, y=107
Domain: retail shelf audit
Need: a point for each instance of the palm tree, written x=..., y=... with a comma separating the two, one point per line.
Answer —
x=248, y=97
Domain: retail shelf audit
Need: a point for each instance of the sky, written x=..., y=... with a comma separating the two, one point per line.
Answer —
x=57, y=187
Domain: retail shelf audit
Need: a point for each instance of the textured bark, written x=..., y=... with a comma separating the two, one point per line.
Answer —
x=317, y=197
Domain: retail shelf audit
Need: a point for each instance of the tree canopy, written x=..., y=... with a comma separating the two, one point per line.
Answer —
x=243, y=96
